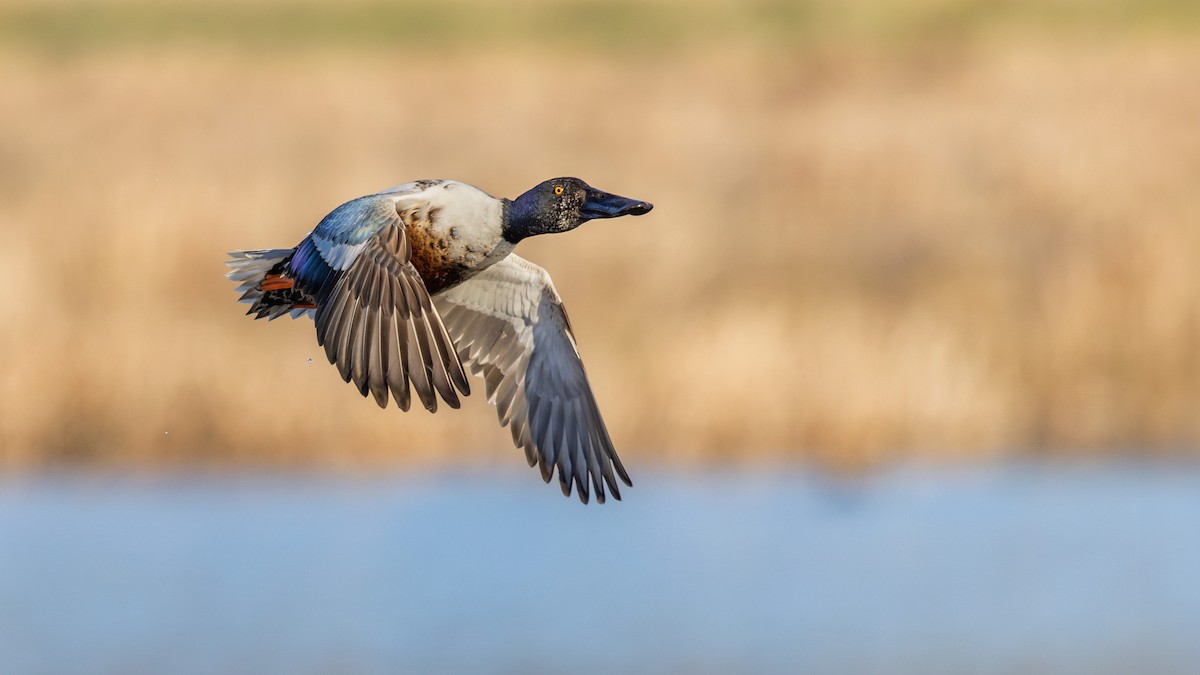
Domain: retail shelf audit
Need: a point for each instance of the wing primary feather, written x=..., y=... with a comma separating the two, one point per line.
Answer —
x=451, y=364
x=398, y=363
x=583, y=464
x=542, y=426
x=437, y=360
x=387, y=335
x=358, y=346
x=581, y=486
x=532, y=405
x=345, y=334
x=542, y=439
x=427, y=356
x=376, y=380
x=562, y=431
x=620, y=468
x=330, y=319
x=367, y=328
x=579, y=469
x=350, y=347
x=606, y=444
x=418, y=372
x=606, y=468
x=589, y=451
x=411, y=302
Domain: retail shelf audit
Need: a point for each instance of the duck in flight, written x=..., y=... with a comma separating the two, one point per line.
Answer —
x=414, y=286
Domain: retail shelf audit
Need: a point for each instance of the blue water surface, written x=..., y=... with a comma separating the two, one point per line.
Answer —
x=1018, y=569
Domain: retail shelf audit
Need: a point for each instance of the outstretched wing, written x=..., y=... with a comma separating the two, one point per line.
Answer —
x=510, y=328
x=374, y=316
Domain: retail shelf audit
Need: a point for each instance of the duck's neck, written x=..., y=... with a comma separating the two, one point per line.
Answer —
x=517, y=221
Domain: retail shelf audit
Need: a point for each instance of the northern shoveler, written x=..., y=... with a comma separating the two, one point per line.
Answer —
x=412, y=284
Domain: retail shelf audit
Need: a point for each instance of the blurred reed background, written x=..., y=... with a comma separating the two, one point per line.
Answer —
x=883, y=230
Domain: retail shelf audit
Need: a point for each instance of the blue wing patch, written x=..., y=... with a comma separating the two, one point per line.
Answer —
x=333, y=246
x=343, y=234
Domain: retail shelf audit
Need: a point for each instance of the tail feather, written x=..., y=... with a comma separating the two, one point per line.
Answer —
x=274, y=298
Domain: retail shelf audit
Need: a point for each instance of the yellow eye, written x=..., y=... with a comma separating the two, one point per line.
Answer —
x=558, y=189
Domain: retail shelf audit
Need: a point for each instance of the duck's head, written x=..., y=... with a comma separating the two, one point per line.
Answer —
x=562, y=204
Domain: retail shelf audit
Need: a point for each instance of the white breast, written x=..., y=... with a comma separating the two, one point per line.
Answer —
x=468, y=219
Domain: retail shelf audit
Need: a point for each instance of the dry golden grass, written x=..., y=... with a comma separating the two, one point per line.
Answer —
x=859, y=252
